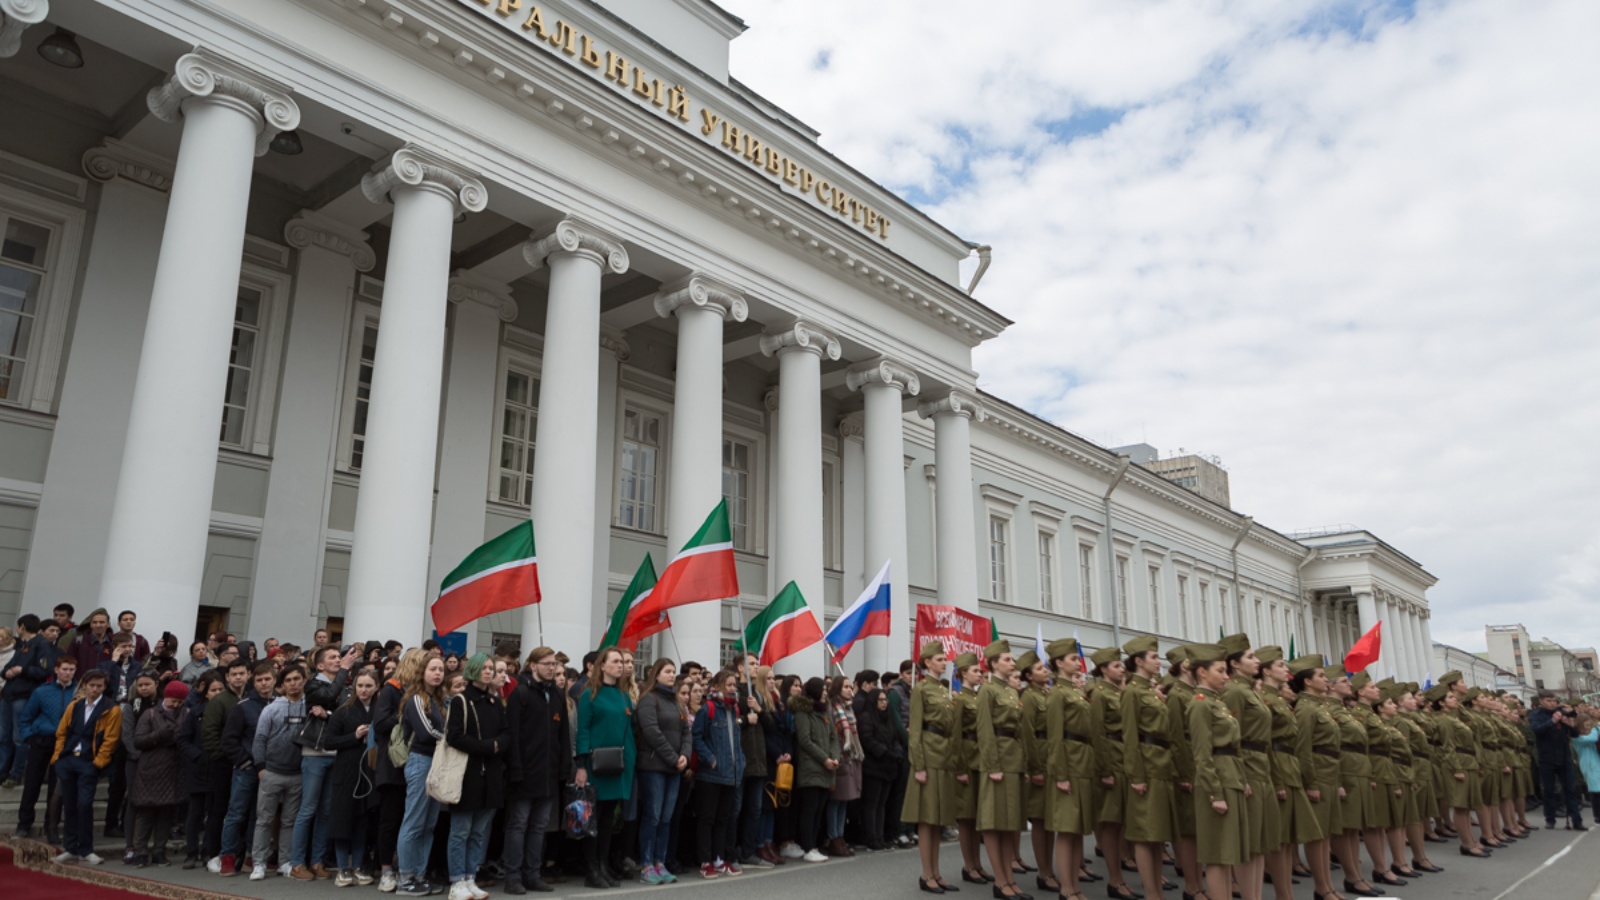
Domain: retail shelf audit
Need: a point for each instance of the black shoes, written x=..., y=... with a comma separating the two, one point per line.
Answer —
x=1480, y=853
x=931, y=887
x=1386, y=878
x=1350, y=888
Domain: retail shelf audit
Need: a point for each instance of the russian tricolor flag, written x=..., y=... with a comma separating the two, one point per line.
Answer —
x=867, y=616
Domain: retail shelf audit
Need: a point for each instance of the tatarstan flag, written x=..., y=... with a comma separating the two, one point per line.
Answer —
x=627, y=627
x=502, y=574
x=784, y=628
x=703, y=570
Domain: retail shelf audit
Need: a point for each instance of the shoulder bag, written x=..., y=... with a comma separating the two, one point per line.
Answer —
x=449, y=766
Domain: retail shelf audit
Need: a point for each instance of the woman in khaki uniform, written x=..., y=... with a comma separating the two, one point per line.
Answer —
x=1069, y=765
x=1355, y=782
x=935, y=753
x=1035, y=693
x=1149, y=816
x=1422, y=798
x=1297, y=822
x=1489, y=766
x=1001, y=764
x=1460, y=759
x=970, y=677
x=1387, y=748
x=1255, y=745
x=1219, y=784
x=1179, y=696
x=1105, y=699
x=1512, y=749
x=1317, y=749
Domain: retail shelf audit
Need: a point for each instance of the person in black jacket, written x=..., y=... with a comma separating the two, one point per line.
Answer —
x=476, y=723
x=665, y=743
x=390, y=779
x=236, y=831
x=326, y=689
x=538, y=764
x=196, y=778
x=1554, y=726
x=350, y=783
x=884, y=749
x=31, y=665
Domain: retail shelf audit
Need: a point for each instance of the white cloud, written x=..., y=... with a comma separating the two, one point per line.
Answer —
x=1361, y=267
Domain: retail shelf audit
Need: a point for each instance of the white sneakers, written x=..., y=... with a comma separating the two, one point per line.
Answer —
x=461, y=890
x=258, y=872
x=285, y=869
x=814, y=856
x=791, y=850
x=388, y=881
x=93, y=859
x=478, y=893
x=214, y=865
x=64, y=857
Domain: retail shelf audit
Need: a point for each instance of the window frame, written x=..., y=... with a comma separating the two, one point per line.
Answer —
x=526, y=363
x=261, y=402
x=366, y=310
x=1000, y=570
x=1086, y=577
x=646, y=404
x=47, y=337
x=756, y=524
x=1154, y=571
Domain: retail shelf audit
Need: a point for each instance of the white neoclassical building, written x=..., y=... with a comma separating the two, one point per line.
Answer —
x=301, y=300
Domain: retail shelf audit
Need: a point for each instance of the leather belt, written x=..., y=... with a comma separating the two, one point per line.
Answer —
x=1282, y=748
x=970, y=735
x=1402, y=759
x=1467, y=750
x=1114, y=735
x=1006, y=732
x=1353, y=748
x=1070, y=736
x=936, y=729
x=1040, y=735
x=1254, y=746
x=1224, y=751
x=1154, y=741
x=1330, y=752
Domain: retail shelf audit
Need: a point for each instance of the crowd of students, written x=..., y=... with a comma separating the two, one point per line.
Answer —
x=316, y=764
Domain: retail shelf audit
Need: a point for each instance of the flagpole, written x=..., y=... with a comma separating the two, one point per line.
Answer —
x=538, y=612
x=749, y=676
x=675, y=651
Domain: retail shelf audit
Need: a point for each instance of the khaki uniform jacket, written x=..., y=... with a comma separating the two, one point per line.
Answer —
x=935, y=732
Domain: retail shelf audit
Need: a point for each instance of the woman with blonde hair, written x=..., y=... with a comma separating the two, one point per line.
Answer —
x=389, y=778
x=422, y=725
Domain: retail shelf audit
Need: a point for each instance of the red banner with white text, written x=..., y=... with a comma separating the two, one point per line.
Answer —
x=959, y=630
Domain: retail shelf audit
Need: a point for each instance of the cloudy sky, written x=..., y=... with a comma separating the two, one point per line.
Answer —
x=1353, y=248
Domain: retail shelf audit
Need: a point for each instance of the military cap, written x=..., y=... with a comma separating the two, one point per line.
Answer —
x=1393, y=692
x=966, y=660
x=1140, y=645
x=1387, y=683
x=1473, y=694
x=1026, y=661
x=1206, y=653
x=1412, y=687
x=1269, y=654
x=1303, y=664
x=997, y=649
x=1235, y=643
x=930, y=650
x=1437, y=692
x=1450, y=677
x=1178, y=654
x=1334, y=671
x=1360, y=680
x=1105, y=655
x=1061, y=647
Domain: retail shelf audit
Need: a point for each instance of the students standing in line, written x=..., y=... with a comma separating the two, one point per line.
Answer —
x=86, y=741
x=422, y=715
x=278, y=756
x=1001, y=767
x=605, y=755
x=476, y=723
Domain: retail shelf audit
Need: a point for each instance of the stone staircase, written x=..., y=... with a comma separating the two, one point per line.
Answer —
x=11, y=799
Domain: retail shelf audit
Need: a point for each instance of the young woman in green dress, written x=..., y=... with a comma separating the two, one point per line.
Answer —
x=935, y=753
x=1297, y=822
x=1219, y=784
x=1149, y=816
x=1317, y=747
x=1069, y=765
x=1255, y=744
x=1035, y=674
x=1105, y=698
x=1355, y=784
x=969, y=677
x=1001, y=765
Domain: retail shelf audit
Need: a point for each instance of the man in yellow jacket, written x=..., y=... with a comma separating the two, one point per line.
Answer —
x=86, y=739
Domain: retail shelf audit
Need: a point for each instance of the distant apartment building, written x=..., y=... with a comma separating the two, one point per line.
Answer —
x=1202, y=474
x=1543, y=664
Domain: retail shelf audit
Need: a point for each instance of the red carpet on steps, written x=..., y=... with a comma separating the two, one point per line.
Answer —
x=17, y=883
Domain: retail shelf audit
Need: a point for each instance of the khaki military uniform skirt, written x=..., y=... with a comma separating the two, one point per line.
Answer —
x=1489, y=786
x=1000, y=803
x=967, y=798
x=1355, y=811
x=1151, y=818
x=1033, y=798
x=934, y=803
x=1298, y=822
x=1108, y=800
x=1066, y=813
x=1463, y=794
x=1220, y=837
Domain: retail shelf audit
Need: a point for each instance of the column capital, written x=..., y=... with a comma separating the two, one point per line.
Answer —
x=616, y=341
x=578, y=237
x=853, y=426
x=200, y=76
x=412, y=166
x=113, y=159
x=887, y=372
x=310, y=229
x=958, y=403
x=801, y=335
x=15, y=17
x=465, y=288
x=702, y=292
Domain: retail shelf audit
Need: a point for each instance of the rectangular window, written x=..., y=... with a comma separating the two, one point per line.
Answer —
x=832, y=518
x=1222, y=608
x=358, y=427
x=1086, y=580
x=1260, y=625
x=1123, y=609
x=736, y=489
x=1155, y=599
x=1183, y=606
x=247, y=312
x=519, y=417
x=1047, y=570
x=23, y=254
x=641, y=455
x=998, y=540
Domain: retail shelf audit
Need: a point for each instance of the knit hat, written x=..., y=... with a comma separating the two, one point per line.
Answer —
x=176, y=690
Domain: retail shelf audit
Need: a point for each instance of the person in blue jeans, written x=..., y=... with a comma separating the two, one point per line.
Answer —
x=476, y=723
x=665, y=742
x=238, y=738
x=323, y=695
x=32, y=664
x=86, y=740
x=422, y=718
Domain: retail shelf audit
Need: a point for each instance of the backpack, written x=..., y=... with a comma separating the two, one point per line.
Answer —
x=399, y=746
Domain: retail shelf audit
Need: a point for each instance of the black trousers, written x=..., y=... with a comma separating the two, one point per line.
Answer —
x=391, y=809
x=217, y=807
x=874, y=802
x=1560, y=788
x=607, y=819
x=117, y=789
x=808, y=820
x=715, y=805
x=892, y=826
x=195, y=823
x=39, y=774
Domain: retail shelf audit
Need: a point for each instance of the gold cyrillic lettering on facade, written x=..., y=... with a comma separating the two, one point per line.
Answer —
x=709, y=118
x=806, y=178
x=678, y=104
x=752, y=150
x=870, y=220
x=590, y=56
x=565, y=38
x=791, y=172
x=775, y=161
x=617, y=68
x=883, y=227
x=732, y=137
x=507, y=7
x=641, y=85
x=823, y=187
x=535, y=24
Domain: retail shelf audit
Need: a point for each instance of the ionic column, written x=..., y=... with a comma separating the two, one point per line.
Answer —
x=467, y=429
x=798, y=549
x=1366, y=614
x=952, y=452
x=15, y=17
x=287, y=588
x=883, y=385
x=614, y=351
x=389, y=593
x=701, y=306
x=1426, y=638
x=853, y=503
x=565, y=466
x=155, y=549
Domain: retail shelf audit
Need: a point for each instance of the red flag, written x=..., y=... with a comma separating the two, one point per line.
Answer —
x=1364, y=652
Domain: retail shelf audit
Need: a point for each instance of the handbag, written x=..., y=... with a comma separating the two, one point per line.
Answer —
x=449, y=767
x=606, y=761
x=577, y=811
x=782, y=785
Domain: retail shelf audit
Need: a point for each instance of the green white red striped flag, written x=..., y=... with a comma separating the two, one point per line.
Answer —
x=628, y=627
x=783, y=629
x=502, y=574
x=703, y=570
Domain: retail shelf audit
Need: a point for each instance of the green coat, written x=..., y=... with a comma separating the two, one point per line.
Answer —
x=1106, y=702
x=605, y=719
x=1034, y=752
x=1255, y=729
x=1000, y=750
x=1152, y=816
x=1317, y=748
x=1069, y=758
x=1179, y=696
x=1219, y=837
x=935, y=750
x=815, y=742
